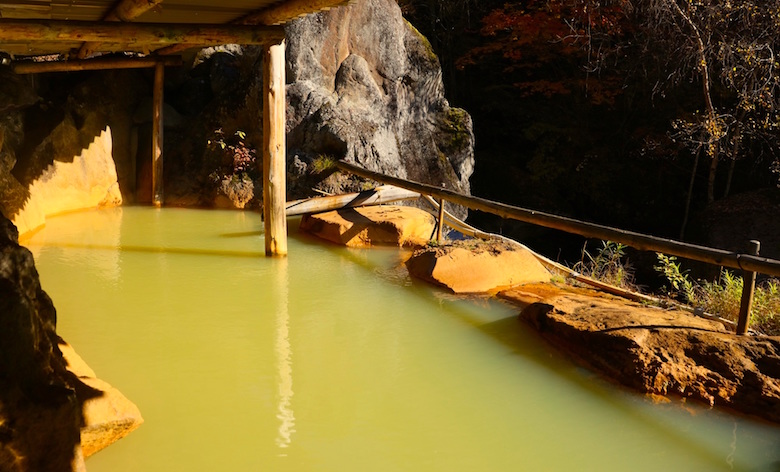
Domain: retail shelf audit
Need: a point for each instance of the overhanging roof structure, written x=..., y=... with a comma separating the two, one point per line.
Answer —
x=63, y=30
x=70, y=27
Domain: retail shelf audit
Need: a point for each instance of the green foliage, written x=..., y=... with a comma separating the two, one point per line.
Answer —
x=323, y=163
x=723, y=297
x=231, y=155
x=607, y=265
x=680, y=283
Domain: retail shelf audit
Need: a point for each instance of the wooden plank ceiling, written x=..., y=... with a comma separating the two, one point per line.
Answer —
x=159, y=12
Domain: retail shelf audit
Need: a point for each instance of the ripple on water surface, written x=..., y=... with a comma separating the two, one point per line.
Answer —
x=334, y=359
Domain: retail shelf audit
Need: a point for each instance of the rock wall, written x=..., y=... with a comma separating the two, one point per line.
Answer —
x=362, y=85
x=39, y=411
x=89, y=181
x=365, y=85
x=57, y=149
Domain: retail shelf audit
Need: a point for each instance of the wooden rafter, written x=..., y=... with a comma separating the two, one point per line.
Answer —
x=286, y=11
x=125, y=10
x=136, y=35
x=278, y=14
x=94, y=64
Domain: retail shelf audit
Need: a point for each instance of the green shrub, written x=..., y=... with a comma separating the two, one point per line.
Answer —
x=607, y=265
x=723, y=297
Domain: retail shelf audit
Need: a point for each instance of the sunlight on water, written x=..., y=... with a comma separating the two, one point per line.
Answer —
x=333, y=359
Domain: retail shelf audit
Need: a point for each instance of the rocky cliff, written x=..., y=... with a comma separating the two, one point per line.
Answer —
x=366, y=86
x=39, y=410
x=363, y=85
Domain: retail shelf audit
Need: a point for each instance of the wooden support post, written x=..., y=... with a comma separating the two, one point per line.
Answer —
x=748, y=287
x=157, y=135
x=440, y=225
x=274, y=150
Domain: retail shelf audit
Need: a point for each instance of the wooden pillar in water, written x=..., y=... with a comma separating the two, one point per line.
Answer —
x=274, y=150
x=157, y=135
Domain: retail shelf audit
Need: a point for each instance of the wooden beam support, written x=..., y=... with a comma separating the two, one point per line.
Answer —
x=95, y=64
x=274, y=150
x=748, y=289
x=128, y=10
x=377, y=196
x=440, y=222
x=137, y=35
x=157, y=135
x=275, y=15
x=286, y=11
x=125, y=10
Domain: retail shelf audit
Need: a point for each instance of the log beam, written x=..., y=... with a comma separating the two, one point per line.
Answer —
x=275, y=15
x=377, y=196
x=286, y=11
x=125, y=10
x=274, y=150
x=157, y=135
x=137, y=35
x=95, y=64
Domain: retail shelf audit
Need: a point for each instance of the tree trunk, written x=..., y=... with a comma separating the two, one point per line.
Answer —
x=690, y=193
x=712, y=125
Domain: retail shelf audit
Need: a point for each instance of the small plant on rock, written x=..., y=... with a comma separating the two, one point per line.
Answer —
x=723, y=297
x=681, y=286
x=607, y=265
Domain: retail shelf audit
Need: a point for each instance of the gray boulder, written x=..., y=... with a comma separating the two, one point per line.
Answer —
x=365, y=86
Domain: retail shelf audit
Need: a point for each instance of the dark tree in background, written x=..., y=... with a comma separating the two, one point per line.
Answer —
x=604, y=110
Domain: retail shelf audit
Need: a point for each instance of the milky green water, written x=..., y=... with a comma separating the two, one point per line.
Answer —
x=334, y=360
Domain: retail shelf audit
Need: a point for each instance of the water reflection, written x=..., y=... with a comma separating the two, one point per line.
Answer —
x=86, y=231
x=283, y=353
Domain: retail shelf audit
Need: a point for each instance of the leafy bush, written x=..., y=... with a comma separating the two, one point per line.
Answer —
x=723, y=297
x=607, y=265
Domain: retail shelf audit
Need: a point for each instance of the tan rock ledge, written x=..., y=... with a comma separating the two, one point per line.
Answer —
x=657, y=351
x=374, y=225
x=108, y=416
x=476, y=266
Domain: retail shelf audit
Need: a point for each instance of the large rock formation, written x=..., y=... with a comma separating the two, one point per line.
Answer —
x=365, y=85
x=372, y=225
x=53, y=411
x=39, y=411
x=88, y=181
x=107, y=417
x=58, y=153
x=663, y=352
x=475, y=266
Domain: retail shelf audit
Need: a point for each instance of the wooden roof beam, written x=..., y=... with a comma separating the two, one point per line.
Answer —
x=283, y=12
x=28, y=67
x=137, y=35
x=128, y=10
x=124, y=10
x=278, y=14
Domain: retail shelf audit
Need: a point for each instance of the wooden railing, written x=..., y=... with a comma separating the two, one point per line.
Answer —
x=750, y=264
